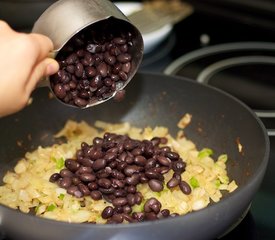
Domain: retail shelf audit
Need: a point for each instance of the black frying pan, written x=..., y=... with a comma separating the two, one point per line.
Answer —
x=151, y=100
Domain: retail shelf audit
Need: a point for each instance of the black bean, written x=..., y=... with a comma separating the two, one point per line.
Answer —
x=76, y=180
x=185, y=187
x=127, y=209
x=92, y=186
x=123, y=75
x=73, y=85
x=138, y=198
x=128, y=218
x=90, y=71
x=139, y=216
x=78, y=194
x=71, y=59
x=65, y=182
x=59, y=91
x=178, y=166
x=151, y=163
x=143, y=178
x=109, y=59
x=140, y=160
x=173, y=182
x=131, y=199
x=87, y=177
x=131, y=189
x=80, y=53
x=97, y=141
x=70, y=68
x=117, y=218
x=153, y=174
x=120, y=95
x=66, y=173
x=129, y=160
x=155, y=185
x=166, y=148
x=116, y=183
x=83, y=169
x=80, y=102
x=84, y=189
x=165, y=212
x=114, y=51
x=126, y=67
x=107, y=191
x=133, y=180
x=96, y=195
x=164, y=170
x=104, y=182
x=54, y=177
x=172, y=155
x=102, y=69
x=120, y=201
x=119, y=40
x=116, y=69
x=95, y=153
x=87, y=162
x=107, y=212
x=93, y=48
x=177, y=176
x=118, y=209
x=72, y=189
x=124, y=58
x=79, y=69
x=110, y=156
x=152, y=204
x=131, y=169
x=164, y=161
x=120, y=193
x=124, y=48
x=99, y=164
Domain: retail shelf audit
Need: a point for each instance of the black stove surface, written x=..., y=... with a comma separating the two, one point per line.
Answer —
x=203, y=31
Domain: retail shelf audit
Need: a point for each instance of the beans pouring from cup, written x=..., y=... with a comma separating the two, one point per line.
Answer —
x=94, y=66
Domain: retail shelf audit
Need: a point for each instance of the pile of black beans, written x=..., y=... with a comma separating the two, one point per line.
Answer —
x=113, y=166
x=94, y=64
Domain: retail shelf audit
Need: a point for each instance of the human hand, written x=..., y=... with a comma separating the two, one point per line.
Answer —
x=23, y=62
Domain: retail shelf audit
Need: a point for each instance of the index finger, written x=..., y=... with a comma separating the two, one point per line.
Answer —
x=44, y=45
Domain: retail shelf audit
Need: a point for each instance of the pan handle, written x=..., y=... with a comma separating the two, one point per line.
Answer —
x=268, y=118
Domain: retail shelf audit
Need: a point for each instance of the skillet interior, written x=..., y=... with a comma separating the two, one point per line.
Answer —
x=218, y=122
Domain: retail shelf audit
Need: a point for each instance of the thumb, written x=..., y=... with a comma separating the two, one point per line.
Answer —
x=46, y=67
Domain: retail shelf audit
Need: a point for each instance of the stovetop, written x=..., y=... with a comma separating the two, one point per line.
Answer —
x=200, y=33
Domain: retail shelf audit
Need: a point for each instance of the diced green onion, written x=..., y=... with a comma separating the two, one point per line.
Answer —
x=61, y=196
x=217, y=183
x=206, y=152
x=51, y=207
x=60, y=163
x=194, y=182
x=223, y=158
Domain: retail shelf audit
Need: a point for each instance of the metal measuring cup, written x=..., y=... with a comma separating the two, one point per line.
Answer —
x=65, y=18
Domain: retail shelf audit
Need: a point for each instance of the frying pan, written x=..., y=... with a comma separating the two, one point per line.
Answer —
x=151, y=99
